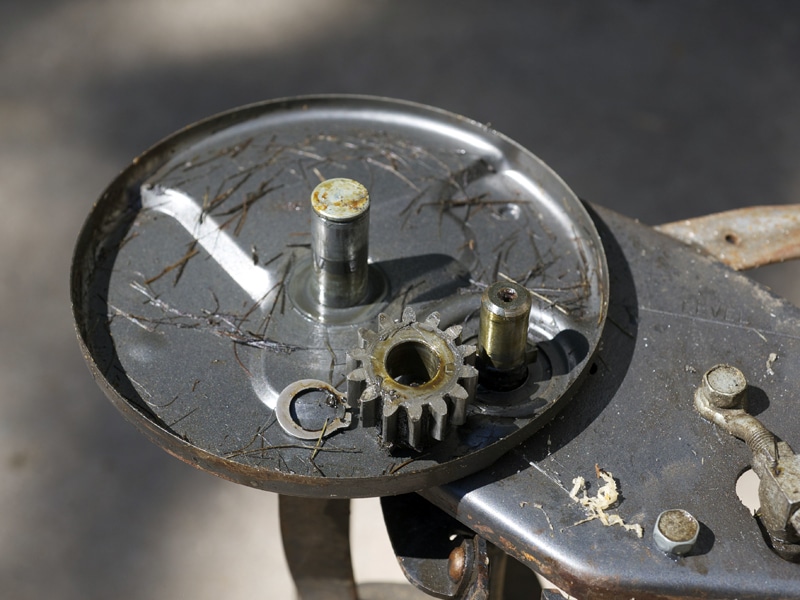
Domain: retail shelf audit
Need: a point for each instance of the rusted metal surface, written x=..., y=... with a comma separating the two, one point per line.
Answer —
x=744, y=238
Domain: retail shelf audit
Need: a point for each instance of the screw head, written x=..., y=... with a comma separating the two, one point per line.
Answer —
x=725, y=386
x=676, y=531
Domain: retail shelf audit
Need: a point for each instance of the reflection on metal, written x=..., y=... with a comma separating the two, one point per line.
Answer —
x=411, y=379
x=744, y=238
x=220, y=245
x=722, y=400
x=292, y=425
x=503, y=336
x=193, y=286
x=340, y=242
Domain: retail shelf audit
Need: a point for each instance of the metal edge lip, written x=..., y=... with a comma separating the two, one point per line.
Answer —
x=147, y=161
x=158, y=154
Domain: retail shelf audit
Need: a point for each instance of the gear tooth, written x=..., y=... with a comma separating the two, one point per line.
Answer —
x=366, y=336
x=433, y=319
x=438, y=414
x=409, y=315
x=390, y=409
x=413, y=411
x=356, y=381
x=358, y=374
x=438, y=406
x=356, y=359
x=384, y=323
x=458, y=392
x=467, y=372
x=389, y=423
x=468, y=377
x=459, y=397
x=453, y=332
x=458, y=410
x=414, y=423
x=467, y=350
x=351, y=361
x=369, y=406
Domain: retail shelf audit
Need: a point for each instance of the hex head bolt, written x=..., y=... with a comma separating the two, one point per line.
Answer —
x=724, y=386
x=503, y=336
x=676, y=531
x=340, y=242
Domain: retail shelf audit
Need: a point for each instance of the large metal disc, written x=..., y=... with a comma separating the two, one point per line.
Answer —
x=190, y=285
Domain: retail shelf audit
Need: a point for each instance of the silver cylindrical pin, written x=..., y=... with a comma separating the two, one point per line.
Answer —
x=340, y=242
x=503, y=336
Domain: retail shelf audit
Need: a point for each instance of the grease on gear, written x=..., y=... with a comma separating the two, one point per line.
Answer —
x=411, y=379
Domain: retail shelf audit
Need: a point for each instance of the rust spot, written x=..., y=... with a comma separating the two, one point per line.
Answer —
x=744, y=238
x=340, y=199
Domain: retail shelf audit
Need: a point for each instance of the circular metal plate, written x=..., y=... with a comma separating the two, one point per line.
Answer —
x=190, y=295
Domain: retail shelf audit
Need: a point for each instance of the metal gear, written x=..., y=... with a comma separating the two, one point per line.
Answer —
x=411, y=379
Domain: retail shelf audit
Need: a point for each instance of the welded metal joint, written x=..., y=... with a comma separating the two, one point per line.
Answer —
x=503, y=352
x=340, y=242
x=722, y=399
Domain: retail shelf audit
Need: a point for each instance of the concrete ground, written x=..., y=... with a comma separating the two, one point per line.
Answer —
x=659, y=110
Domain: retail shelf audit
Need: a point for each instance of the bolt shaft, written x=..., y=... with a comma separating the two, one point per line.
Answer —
x=340, y=242
x=761, y=440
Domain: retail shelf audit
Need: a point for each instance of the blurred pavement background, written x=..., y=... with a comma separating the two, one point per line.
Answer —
x=659, y=110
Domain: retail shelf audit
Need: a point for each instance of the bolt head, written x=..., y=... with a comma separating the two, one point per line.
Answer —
x=676, y=531
x=725, y=386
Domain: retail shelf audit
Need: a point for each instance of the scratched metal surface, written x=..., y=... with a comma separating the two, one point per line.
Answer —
x=673, y=314
x=191, y=297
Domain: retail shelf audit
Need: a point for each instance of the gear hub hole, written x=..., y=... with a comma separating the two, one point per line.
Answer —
x=507, y=294
x=412, y=363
